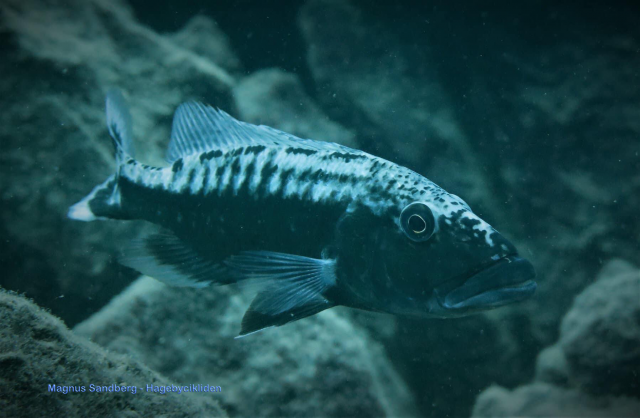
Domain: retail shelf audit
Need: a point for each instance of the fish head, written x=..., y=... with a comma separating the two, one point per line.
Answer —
x=436, y=258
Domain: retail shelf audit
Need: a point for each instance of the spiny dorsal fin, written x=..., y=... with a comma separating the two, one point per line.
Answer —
x=199, y=128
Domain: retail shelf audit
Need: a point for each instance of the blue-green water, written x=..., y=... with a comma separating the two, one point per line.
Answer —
x=529, y=112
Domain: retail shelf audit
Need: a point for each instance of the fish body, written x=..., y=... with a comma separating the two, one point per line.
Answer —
x=318, y=224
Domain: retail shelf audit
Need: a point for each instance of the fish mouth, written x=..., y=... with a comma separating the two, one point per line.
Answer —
x=505, y=281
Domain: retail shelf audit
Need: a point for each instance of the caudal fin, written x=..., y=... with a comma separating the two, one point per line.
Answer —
x=104, y=201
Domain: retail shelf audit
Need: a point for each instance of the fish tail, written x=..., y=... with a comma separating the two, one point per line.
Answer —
x=104, y=202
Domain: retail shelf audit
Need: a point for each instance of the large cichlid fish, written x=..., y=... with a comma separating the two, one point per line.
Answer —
x=319, y=224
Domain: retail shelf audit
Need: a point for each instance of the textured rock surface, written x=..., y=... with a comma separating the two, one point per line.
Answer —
x=544, y=400
x=274, y=98
x=552, y=367
x=37, y=350
x=396, y=95
x=600, y=335
x=320, y=366
x=542, y=136
x=58, y=60
x=528, y=111
x=593, y=368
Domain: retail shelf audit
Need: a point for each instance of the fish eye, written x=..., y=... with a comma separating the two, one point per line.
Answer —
x=417, y=222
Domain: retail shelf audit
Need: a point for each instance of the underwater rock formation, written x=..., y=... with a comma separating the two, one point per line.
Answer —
x=593, y=368
x=544, y=400
x=320, y=366
x=364, y=74
x=395, y=94
x=600, y=335
x=275, y=98
x=534, y=111
x=529, y=112
x=59, y=58
x=37, y=350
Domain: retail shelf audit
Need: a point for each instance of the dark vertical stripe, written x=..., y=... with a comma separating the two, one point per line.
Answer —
x=205, y=177
x=249, y=171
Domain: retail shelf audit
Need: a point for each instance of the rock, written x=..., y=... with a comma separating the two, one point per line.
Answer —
x=592, y=371
x=59, y=58
x=552, y=367
x=365, y=74
x=600, y=335
x=322, y=365
x=275, y=98
x=551, y=162
x=202, y=36
x=544, y=400
x=392, y=93
x=38, y=351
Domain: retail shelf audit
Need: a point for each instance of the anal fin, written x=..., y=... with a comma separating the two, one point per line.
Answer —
x=254, y=320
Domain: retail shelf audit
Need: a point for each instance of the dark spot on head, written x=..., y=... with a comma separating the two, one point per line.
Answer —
x=376, y=189
x=177, y=166
x=469, y=223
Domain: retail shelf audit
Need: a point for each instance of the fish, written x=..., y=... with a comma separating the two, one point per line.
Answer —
x=316, y=224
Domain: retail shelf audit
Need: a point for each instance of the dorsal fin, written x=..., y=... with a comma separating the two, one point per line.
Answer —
x=199, y=128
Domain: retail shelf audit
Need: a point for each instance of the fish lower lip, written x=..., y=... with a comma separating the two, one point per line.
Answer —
x=508, y=280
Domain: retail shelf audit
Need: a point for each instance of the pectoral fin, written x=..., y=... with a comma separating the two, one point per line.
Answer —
x=295, y=287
